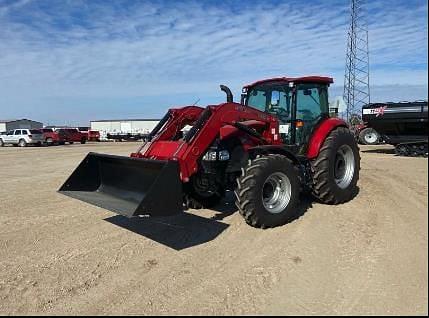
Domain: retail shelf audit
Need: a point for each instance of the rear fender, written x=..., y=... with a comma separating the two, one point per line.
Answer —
x=321, y=133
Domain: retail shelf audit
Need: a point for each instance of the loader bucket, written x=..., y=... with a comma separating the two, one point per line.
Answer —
x=127, y=186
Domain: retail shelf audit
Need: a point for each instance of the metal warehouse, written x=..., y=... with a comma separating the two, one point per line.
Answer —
x=124, y=125
x=6, y=125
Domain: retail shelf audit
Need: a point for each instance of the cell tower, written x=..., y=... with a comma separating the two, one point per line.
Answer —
x=356, y=79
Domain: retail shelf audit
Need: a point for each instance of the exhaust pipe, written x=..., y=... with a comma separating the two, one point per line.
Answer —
x=229, y=97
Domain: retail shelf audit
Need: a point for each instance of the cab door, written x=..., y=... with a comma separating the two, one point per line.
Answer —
x=311, y=108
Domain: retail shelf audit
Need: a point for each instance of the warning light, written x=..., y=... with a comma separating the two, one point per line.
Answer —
x=299, y=123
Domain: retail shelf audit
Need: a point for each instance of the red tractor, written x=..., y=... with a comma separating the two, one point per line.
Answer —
x=276, y=143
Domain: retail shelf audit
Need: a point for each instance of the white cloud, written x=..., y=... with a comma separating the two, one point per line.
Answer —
x=92, y=49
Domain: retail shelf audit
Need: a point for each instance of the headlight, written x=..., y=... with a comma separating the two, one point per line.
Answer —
x=210, y=156
x=222, y=155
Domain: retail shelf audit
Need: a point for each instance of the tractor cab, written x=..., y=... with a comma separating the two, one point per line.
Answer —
x=298, y=103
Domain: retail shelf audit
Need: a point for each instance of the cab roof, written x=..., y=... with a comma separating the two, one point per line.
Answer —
x=304, y=79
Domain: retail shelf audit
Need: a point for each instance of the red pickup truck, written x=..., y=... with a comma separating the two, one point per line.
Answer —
x=51, y=137
x=71, y=135
x=91, y=135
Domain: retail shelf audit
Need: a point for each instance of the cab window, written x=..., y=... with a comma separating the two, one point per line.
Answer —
x=17, y=132
x=257, y=99
x=273, y=99
x=312, y=102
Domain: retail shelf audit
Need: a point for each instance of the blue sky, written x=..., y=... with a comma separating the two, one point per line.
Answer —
x=70, y=61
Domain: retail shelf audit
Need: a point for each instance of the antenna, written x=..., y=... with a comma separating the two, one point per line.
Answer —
x=356, y=79
x=196, y=101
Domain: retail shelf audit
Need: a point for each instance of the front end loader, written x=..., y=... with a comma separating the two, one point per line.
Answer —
x=267, y=149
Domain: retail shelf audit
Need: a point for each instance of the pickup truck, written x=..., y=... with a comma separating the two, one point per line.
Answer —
x=22, y=137
x=91, y=135
x=71, y=135
x=51, y=137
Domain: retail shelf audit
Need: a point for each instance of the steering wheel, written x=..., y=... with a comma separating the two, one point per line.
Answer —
x=280, y=111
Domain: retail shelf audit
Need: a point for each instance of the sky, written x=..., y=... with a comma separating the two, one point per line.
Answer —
x=72, y=61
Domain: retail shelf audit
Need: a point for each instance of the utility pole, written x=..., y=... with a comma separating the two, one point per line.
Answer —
x=356, y=79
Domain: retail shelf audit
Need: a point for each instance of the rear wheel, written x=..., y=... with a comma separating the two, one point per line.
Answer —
x=49, y=141
x=369, y=136
x=22, y=143
x=83, y=141
x=268, y=191
x=336, y=169
x=71, y=142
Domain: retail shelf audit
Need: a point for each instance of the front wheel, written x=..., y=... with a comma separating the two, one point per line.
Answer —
x=1, y=143
x=200, y=193
x=336, y=169
x=83, y=141
x=268, y=191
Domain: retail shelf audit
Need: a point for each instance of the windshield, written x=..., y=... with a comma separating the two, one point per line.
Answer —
x=271, y=98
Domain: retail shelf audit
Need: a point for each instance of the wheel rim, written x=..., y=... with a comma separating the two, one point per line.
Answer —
x=22, y=143
x=276, y=192
x=371, y=138
x=344, y=166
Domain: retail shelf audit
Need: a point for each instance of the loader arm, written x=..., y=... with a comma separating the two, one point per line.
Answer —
x=205, y=130
x=178, y=118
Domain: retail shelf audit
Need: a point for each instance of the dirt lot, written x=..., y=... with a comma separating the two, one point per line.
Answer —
x=61, y=256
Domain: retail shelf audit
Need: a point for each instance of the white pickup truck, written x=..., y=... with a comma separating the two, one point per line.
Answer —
x=22, y=137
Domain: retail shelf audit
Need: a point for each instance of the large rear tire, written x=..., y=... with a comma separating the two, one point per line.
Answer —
x=369, y=136
x=336, y=169
x=268, y=191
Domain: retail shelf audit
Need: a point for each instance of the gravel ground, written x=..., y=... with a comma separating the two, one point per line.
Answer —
x=62, y=256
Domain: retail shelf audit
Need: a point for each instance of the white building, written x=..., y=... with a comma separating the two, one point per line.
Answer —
x=6, y=125
x=143, y=126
